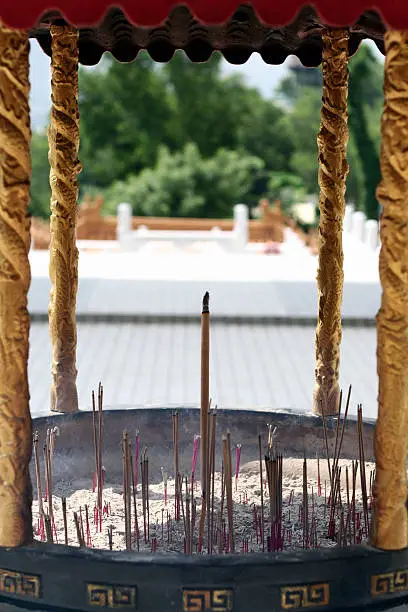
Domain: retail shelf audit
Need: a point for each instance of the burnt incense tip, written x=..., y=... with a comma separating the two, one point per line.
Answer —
x=206, y=302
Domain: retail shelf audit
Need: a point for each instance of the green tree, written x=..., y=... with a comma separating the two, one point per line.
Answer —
x=40, y=178
x=301, y=91
x=126, y=115
x=185, y=184
x=129, y=111
x=365, y=96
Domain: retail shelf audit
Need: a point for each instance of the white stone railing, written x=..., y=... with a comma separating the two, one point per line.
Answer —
x=132, y=240
x=363, y=230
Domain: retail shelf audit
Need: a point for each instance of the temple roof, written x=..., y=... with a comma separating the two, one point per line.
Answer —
x=274, y=28
x=237, y=38
x=153, y=12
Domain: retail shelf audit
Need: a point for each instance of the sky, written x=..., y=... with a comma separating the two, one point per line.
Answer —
x=256, y=73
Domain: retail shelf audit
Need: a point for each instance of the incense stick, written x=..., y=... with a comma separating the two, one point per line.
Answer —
x=100, y=405
x=205, y=393
x=226, y=449
x=38, y=475
x=176, y=466
x=64, y=516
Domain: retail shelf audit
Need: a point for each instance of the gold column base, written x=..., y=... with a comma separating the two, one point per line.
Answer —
x=15, y=172
x=326, y=402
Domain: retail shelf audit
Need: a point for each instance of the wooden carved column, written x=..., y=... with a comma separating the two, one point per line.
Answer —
x=333, y=169
x=390, y=443
x=15, y=171
x=63, y=138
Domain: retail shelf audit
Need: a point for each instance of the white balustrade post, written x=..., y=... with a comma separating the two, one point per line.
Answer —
x=124, y=223
x=241, y=226
x=348, y=219
x=358, y=225
x=371, y=234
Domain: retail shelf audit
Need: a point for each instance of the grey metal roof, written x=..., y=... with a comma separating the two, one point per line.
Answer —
x=252, y=364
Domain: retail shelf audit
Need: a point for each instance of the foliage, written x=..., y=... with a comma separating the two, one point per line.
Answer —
x=40, y=180
x=286, y=187
x=188, y=185
x=366, y=76
x=183, y=139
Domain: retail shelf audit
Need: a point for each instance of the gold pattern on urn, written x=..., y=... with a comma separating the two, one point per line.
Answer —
x=15, y=170
x=390, y=440
x=305, y=596
x=63, y=137
x=333, y=169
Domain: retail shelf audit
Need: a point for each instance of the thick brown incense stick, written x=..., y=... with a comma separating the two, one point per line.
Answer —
x=95, y=438
x=327, y=446
x=134, y=491
x=176, y=466
x=305, y=507
x=81, y=543
x=110, y=537
x=64, y=516
x=129, y=489
x=228, y=489
x=100, y=405
x=147, y=494
x=188, y=521
x=48, y=529
x=81, y=522
x=262, y=499
x=38, y=475
x=205, y=393
x=49, y=481
x=212, y=476
x=338, y=450
x=126, y=491
x=362, y=467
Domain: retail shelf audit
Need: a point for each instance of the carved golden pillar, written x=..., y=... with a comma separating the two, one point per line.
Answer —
x=390, y=442
x=63, y=138
x=15, y=171
x=333, y=169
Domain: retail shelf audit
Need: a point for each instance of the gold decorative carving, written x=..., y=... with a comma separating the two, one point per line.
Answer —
x=15, y=172
x=112, y=596
x=305, y=596
x=333, y=169
x=207, y=600
x=63, y=138
x=18, y=583
x=386, y=584
x=390, y=440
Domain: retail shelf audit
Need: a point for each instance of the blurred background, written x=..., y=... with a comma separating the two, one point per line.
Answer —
x=182, y=144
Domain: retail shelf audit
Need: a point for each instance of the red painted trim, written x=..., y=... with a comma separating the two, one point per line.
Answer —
x=26, y=13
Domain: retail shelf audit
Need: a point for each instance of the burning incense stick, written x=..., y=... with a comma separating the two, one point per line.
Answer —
x=205, y=392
